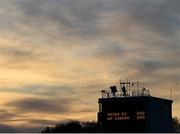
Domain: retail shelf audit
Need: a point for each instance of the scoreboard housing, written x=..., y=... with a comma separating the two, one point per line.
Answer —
x=135, y=114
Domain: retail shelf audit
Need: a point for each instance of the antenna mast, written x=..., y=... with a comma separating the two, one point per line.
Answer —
x=171, y=93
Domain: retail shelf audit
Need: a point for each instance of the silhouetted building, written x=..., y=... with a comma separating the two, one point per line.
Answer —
x=133, y=110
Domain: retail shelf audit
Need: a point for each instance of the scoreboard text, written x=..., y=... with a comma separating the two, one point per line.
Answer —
x=138, y=115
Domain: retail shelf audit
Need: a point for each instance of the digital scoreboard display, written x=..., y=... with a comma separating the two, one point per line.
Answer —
x=125, y=115
x=135, y=114
x=119, y=116
x=124, y=111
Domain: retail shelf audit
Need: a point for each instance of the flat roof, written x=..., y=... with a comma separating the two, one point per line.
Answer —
x=133, y=98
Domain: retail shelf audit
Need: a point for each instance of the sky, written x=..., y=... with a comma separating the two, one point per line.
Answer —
x=56, y=56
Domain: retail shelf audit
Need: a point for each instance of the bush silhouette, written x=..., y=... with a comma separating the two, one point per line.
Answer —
x=73, y=127
x=176, y=125
x=89, y=127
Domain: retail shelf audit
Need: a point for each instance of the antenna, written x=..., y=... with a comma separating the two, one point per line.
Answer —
x=138, y=84
x=103, y=91
x=171, y=93
x=113, y=90
x=127, y=89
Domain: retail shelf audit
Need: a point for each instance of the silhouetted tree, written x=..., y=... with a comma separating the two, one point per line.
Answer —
x=70, y=127
x=46, y=130
x=176, y=125
x=73, y=126
x=90, y=127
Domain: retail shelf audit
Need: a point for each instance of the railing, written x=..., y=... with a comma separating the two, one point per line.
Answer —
x=127, y=89
x=141, y=93
x=131, y=94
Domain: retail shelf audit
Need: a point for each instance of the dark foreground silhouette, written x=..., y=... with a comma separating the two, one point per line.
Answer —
x=74, y=127
x=89, y=127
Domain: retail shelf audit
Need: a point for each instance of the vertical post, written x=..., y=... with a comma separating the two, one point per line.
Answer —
x=129, y=88
x=171, y=93
x=120, y=87
x=102, y=91
x=107, y=95
x=138, y=86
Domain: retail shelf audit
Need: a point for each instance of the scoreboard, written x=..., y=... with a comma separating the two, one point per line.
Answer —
x=121, y=114
x=116, y=116
x=135, y=114
x=133, y=109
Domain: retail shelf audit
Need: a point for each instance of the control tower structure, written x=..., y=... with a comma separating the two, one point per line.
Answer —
x=133, y=109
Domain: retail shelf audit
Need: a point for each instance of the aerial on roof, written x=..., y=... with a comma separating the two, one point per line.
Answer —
x=131, y=108
x=127, y=89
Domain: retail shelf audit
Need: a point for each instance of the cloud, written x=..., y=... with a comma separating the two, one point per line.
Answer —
x=41, y=89
x=65, y=18
x=83, y=18
x=75, y=48
x=51, y=105
x=148, y=66
x=6, y=115
x=41, y=105
x=6, y=129
x=124, y=32
x=77, y=18
x=160, y=16
x=11, y=54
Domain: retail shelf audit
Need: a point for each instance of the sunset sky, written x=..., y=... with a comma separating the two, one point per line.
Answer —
x=56, y=56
